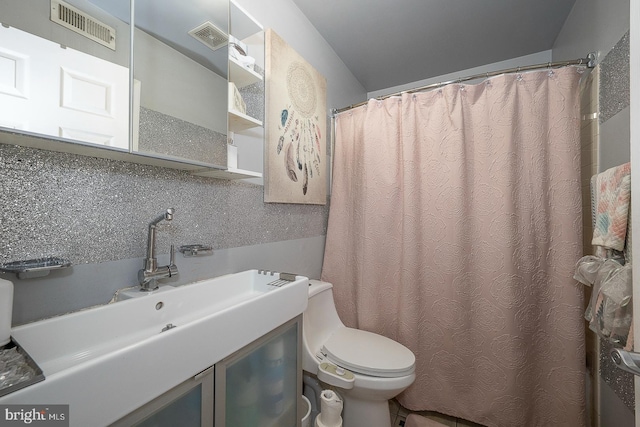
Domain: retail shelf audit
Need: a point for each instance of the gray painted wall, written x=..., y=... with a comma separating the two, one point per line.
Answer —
x=535, y=58
x=292, y=25
x=602, y=26
x=95, y=211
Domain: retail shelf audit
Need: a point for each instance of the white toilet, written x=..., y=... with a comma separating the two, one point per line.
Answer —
x=368, y=369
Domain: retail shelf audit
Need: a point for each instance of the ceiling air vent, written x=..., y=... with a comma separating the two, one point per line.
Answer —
x=210, y=35
x=76, y=20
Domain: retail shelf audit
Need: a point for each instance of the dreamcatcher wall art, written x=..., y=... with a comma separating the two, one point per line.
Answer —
x=295, y=149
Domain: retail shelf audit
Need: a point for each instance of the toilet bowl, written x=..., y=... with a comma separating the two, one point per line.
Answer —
x=367, y=369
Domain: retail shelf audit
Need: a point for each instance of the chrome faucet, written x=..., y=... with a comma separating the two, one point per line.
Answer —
x=149, y=275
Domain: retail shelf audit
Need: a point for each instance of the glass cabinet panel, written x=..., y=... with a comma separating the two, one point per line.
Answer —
x=184, y=411
x=180, y=80
x=260, y=384
x=64, y=72
x=189, y=404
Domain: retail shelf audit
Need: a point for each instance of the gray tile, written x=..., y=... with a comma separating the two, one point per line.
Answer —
x=394, y=407
x=615, y=80
x=403, y=411
x=465, y=423
x=621, y=382
x=92, y=210
x=162, y=134
x=399, y=422
x=442, y=419
x=614, y=147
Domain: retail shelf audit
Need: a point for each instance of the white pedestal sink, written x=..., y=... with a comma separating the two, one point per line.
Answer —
x=109, y=360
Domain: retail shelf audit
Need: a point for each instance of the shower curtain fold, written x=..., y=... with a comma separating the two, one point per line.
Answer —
x=454, y=227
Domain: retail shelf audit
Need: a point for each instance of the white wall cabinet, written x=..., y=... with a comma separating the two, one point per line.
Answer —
x=244, y=127
x=172, y=114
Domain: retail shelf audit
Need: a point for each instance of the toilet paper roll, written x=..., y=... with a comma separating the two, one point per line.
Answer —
x=274, y=351
x=6, y=309
x=330, y=410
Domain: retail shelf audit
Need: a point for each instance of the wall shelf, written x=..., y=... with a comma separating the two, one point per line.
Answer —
x=239, y=122
x=243, y=128
x=231, y=173
x=240, y=75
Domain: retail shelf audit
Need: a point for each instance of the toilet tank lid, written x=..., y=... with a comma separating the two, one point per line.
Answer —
x=317, y=286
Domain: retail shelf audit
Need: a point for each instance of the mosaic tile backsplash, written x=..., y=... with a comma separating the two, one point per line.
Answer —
x=253, y=96
x=615, y=80
x=615, y=97
x=620, y=381
x=166, y=135
x=92, y=210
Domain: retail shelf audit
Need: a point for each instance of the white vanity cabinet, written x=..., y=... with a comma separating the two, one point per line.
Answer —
x=257, y=386
x=154, y=355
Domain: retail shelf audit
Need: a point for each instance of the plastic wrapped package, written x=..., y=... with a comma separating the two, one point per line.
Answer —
x=610, y=310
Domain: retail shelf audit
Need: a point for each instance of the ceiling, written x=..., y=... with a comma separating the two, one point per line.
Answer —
x=171, y=22
x=386, y=43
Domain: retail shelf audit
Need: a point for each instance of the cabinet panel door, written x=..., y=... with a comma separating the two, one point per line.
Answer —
x=260, y=385
x=62, y=92
x=189, y=404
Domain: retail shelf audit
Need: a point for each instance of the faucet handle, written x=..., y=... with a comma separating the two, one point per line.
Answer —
x=172, y=267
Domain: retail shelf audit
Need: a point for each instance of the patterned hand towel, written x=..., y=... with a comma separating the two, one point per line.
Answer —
x=613, y=195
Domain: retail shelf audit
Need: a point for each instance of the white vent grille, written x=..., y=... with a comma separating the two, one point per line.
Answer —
x=210, y=35
x=76, y=20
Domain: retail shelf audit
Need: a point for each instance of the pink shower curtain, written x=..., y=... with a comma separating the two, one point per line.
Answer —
x=454, y=227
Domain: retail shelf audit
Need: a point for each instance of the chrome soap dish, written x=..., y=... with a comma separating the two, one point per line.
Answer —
x=38, y=267
x=17, y=368
x=195, y=250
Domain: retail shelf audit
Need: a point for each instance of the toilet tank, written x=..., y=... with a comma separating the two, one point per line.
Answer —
x=319, y=321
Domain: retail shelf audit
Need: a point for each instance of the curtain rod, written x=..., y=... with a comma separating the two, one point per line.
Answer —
x=589, y=61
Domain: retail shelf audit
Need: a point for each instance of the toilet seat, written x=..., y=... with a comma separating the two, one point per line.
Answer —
x=368, y=353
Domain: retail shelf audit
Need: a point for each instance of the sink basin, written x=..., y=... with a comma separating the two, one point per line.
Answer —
x=85, y=335
x=127, y=351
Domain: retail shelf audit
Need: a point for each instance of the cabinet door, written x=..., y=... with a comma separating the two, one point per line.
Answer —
x=62, y=92
x=259, y=386
x=189, y=404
